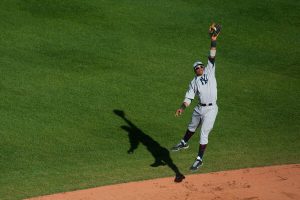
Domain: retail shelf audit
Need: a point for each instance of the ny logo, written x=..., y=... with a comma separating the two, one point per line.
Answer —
x=204, y=79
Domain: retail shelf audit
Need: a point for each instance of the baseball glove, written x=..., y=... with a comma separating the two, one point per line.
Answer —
x=214, y=29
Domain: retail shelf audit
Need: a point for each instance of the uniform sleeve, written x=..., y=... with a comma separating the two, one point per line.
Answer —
x=211, y=64
x=212, y=60
x=191, y=92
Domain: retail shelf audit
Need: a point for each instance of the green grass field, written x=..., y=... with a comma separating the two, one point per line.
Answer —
x=66, y=65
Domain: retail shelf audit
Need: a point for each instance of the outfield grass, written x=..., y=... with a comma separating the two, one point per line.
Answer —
x=66, y=65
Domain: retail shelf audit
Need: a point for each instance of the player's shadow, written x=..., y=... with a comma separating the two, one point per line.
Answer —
x=160, y=154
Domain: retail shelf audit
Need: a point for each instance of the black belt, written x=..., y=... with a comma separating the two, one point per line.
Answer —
x=203, y=104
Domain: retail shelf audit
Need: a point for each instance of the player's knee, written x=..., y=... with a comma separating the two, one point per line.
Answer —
x=205, y=132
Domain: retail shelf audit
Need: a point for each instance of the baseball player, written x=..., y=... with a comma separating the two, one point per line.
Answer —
x=203, y=85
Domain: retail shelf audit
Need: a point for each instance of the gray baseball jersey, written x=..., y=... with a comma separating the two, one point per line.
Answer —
x=205, y=86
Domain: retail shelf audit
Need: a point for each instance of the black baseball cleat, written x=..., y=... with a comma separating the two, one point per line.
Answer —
x=179, y=146
x=198, y=163
x=179, y=178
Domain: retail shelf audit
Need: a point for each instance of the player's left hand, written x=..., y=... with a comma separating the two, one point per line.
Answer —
x=214, y=38
x=214, y=30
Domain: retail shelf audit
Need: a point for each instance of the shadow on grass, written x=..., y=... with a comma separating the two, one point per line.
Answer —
x=160, y=154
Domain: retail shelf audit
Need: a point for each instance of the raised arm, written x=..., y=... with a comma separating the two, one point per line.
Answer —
x=214, y=31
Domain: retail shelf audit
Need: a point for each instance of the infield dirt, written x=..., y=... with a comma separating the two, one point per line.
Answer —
x=263, y=183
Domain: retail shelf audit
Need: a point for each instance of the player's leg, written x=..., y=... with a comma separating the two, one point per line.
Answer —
x=193, y=125
x=207, y=125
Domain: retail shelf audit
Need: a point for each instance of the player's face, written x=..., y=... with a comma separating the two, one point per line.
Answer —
x=199, y=70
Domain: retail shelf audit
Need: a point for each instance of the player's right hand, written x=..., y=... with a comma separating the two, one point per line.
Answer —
x=178, y=112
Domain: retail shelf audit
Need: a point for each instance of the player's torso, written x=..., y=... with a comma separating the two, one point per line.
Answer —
x=207, y=87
